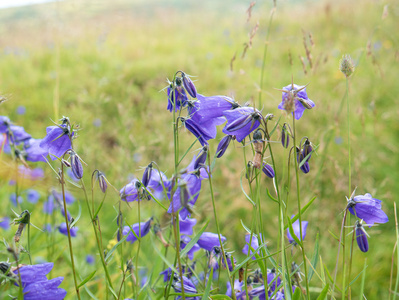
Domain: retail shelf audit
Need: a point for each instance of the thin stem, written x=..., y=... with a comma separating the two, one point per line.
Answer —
x=350, y=262
x=69, y=232
x=217, y=224
x=30, y=257
x=138, y=252
x=349, y=139
x=299, y=212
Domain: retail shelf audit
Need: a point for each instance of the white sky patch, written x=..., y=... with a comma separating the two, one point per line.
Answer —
x=13, y=3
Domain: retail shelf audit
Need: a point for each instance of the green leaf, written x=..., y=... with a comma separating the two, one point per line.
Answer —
x=193, y=241
x=87, y=279
x=297, y=294
x=208, y=286
x=291, y=230
x=323, y=293
x=363, y=278
x=315, y=258
x=270, y=196
x=114, y=248
x=302, y=211
x=246, y=196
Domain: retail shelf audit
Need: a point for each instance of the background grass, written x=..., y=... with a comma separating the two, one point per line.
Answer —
x=106, y=63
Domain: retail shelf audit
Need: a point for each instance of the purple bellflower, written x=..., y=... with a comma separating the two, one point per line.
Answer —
x=241, y=122
x=223, y=144
x=268, y=170
x=90, y=259
x=186, y=226
x=36, y=285
x=33, y=151
x=4, y=124
x=189, y=85
x=17, y=134
x=367, y=208
x=209, y=240
x=5, y=223
x=58, y=139
x=177, y=96
x=139, y=230
x=238, y=286
x=203, y=131
x=13, y=199
x=361, y=237
x=305, y=168
x=183, y=243
x=32, y=196
x=21, y=110
x=64, y=230
x=295, y=227
x=188, y=286
x=186, y=194
x=254, y=244
x=295, y=100
x=213, y=107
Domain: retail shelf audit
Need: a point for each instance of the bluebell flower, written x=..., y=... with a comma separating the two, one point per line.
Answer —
x=361, y=237
x=13, y=199
x=295, y=100
x=166, y=274
x=367, y=208
x=21, y=110
x=203, y=131
x=241, y=122
x=254, y=244
x=4, y=124
x=17, y=134
x=186, y=226
x=214, y=106
x=71, y=175
x=223, y=144
x=183, y=243
x=33, y=151
x=63, y=229
x=58, y=140
x=178, y=95
x=295, y=227
x=90, y=259
x=189, y=85
x=209, y=240
x=144, y=230
x=268, y=170
x=76, y=165
x=188, y=286
x=186, y=194
x=32, y=196
x=37, y=286
x=30, y=174
x=5, y=223
x=238, y=289
x=305, y=168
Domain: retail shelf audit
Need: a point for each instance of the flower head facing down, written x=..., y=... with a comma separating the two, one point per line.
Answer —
x=139, y=229
x=64, y=230
x=254, y=244
x=242, y=121
x=361, y=237
x=176, y=96
x=209, y=240
x=297, y=230
x=295, y=100
x=367, y=208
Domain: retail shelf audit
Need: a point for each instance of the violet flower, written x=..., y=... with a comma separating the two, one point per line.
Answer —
x=57, y=140
x=32, y=196
x=268, y=170
x=183, y=243
x=5, y=223
x=209, y=240
x=13, y=199
x=90, y=259
x=223, y=144
x=189, y=85
x=361, y=237
x=37, y=286
x=295, y=227
x=144, y=230
x=178, y=96
x=238, y=286
x=367, y=208
x=295, y=100
x=214, y=106
x=64, y=230
x=186, y=226
x=188, y=286
x=33, y=151
x=241, y=122
x=254, y=244
x=202, y=131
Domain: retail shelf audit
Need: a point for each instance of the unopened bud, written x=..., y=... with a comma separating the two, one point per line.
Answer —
x=361, y=237
x=285, y=137
x=76, y=166
x=201, y=158
x=147, y=175
x=189, y=86
x=268, y=170
x=346, y=65
x=223, y=144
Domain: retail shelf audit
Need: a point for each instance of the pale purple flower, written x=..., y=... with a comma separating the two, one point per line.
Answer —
x=186, y=226
x=254, y=244
x=57, y=141
x=295, y=100
x=209, y=240
x=178, y=96
x=63, y=229
x=5, y=223
x=13, y=199
x=33, y=151
x=183, y=243
x=21, y=110
x=367, y=208
x=144, y=228
x=295, y=227
x=90, y=259
x=241, y=122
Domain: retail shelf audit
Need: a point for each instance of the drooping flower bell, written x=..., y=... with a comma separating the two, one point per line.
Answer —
x=58, y=139
x=295, y=100
x=76, y=165
x=209, y=240
x=367, y=208
x=361, y=237
x=297, y=230
x=307, y=150
x=223, y=144
x=305, y=168
x=64, y=230
x=176, y=95
x=285, y=137
x=201, y=158
x=140, y=230
x=242, y=121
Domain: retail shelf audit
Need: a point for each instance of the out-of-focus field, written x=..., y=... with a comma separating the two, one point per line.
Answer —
x=104, y=65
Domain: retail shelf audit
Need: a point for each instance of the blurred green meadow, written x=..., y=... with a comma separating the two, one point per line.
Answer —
x=104, y=65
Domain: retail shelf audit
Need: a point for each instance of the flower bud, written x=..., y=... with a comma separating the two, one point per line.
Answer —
x=147, y=175
x=223, y=144
x=305, y=168
x=249, y=170
x=361, y=237
x=268, y=170
x=102, y=182
x=76, y=166
x=285, y=138
x=307, y=149
x=346, y=65
x=189, y=86
x=201, y=158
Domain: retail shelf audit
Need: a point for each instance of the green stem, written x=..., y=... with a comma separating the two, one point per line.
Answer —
x=69, y=232
x=299, y=210
x=30, y=257
x=138, y=252
x=349, y=135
